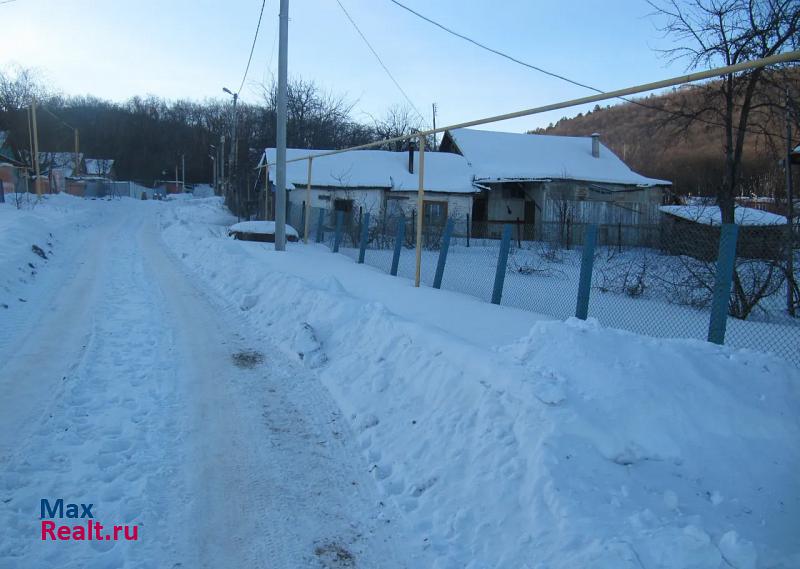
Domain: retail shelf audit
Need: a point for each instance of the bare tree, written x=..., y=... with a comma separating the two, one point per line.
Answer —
x=727, y=32
x=399, y=120
x=18, y=86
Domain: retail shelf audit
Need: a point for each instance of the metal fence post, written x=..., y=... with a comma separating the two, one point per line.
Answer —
x=320, y=221
x=587, y=263
x=303, y=222
x=448, y=230
x=2, y=193
x=502, y=261
x=364, y=235
x=726, y=261
x=337, y=237
x=398, y=245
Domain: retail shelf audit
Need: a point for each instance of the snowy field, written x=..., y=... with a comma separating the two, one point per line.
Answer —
x=545, y=280
x=249, y=408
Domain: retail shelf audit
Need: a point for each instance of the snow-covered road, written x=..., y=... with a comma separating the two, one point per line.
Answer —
x=242, y=407
x=127, y=387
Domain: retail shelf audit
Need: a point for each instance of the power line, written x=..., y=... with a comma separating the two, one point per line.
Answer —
x=378, y=57
x=253, y=47
x=558, y=76
x=55, y=116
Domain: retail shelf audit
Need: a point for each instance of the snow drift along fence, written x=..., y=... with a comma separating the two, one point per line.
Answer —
x=663, y=285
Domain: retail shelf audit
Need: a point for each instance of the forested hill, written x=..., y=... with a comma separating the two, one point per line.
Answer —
x=653, y=139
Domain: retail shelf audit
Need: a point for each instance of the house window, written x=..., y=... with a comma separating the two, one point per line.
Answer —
x=343, y=205
x=435, y=212
x=394, y=206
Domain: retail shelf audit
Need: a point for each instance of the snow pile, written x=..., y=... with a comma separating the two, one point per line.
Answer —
x=711, y=215
x=261, y=228
x=30, y=235
x=571, y=446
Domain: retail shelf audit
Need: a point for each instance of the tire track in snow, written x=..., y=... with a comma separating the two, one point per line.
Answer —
x=278, y=470
x=105, y=438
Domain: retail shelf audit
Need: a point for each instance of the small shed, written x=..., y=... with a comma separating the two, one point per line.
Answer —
x=694, y=230
x=263, y=231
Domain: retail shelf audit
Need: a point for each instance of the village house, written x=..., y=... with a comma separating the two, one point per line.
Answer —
x=379, y=182
x=93, y=178
x=10, y=171
x=552, y=186
x=55, y=168
x=99, y=168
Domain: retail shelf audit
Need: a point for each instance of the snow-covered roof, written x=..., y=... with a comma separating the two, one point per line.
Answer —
x=711, y=215
x=98, y=166
x=444, y=172
x=506, y=156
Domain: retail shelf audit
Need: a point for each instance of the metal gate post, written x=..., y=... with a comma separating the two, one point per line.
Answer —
x=587, y=264
x=364, y=235
x=502, y=262
x=448, y=230
x=337, y=237
x=726, y=260
x=319, y=225
x=398, y=245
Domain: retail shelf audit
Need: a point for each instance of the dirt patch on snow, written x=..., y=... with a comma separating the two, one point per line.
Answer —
x=247, y=359
x=334, y=555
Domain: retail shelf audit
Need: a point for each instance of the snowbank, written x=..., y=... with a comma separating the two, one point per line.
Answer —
x=569, y=446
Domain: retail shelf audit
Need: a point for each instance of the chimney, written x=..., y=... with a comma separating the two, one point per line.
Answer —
x=410, y=157
x=596, y=145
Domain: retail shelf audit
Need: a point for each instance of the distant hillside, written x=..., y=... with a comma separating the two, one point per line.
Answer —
x=654, y=143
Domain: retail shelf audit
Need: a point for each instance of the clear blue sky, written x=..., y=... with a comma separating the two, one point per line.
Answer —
x=192, y=48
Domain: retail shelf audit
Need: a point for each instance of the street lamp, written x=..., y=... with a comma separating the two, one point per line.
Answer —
x=232, y=158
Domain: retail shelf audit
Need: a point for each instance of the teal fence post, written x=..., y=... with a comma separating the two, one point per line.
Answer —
x=398, y=245
x=337, y=237
x=303, y=221
x=448, y=230
x=502, y=262
x=587, y=264
x=726, y=260
x=2, y=193
x=364, y=235
x=320, y=221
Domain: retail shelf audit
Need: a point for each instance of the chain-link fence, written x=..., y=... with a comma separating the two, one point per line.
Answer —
x=658, y=280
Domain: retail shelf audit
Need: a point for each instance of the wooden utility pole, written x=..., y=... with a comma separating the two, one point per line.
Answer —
x=420, y=207
x=308, y=203
x=37, y=183
x=790, y=300
x=77, y=154
x=221, y=163
x=433, y=108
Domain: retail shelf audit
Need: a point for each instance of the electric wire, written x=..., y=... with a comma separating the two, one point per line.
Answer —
x=253, y=47
x=383, y=65
x=562, y=77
